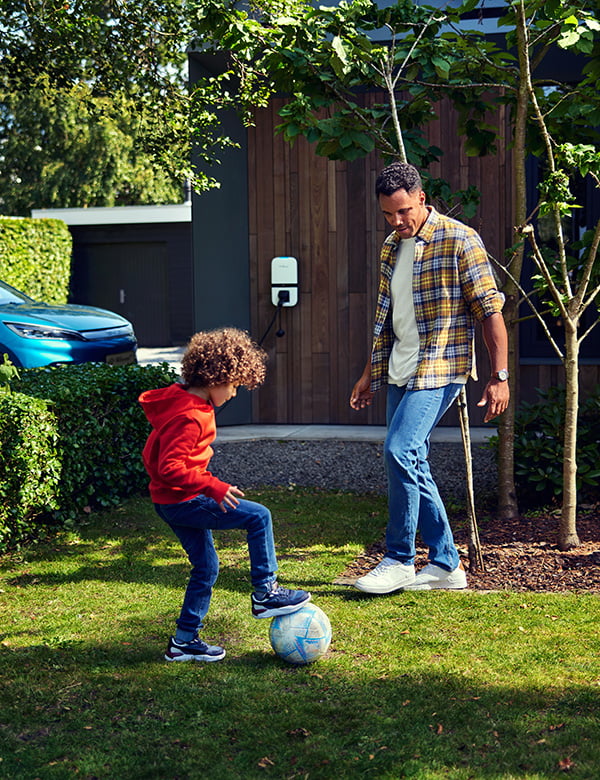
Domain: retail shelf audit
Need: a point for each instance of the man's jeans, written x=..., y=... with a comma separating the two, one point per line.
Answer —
x=414, y=500
x=192, y=521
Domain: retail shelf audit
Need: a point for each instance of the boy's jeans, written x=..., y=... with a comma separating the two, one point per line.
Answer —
x=192, y=521
x=413, y=497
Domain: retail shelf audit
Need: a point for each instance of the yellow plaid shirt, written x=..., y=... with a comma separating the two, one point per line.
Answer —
x=453, y=286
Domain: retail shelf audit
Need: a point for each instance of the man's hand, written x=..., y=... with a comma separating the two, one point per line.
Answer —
x=361, y=395
x=496, y=395
x=229, y=499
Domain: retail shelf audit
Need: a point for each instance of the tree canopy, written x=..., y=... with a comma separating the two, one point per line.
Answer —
x=89, y=93
x=123, y=63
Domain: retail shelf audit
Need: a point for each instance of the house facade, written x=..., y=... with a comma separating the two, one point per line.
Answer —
x=279, y=200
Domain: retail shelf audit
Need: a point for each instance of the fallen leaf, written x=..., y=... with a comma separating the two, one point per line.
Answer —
x=302, y=733
x=565, y=764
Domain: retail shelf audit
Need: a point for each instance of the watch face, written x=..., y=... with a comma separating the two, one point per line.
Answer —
x=502, y=375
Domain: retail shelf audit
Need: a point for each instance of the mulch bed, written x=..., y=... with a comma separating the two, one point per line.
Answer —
x=519, y=555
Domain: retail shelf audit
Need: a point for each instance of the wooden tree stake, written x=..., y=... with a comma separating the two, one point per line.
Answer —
x=475, y=554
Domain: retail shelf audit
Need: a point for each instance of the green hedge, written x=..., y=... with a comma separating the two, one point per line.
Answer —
x=76, y=432
x=35, y=257
x=30, y=468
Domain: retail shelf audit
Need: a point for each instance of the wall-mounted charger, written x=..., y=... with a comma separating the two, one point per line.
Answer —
x=284, y=281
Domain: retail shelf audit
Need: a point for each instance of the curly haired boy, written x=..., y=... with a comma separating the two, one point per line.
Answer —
x=191, y=500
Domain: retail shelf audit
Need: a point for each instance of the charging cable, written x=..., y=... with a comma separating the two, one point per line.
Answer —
x=282, y=297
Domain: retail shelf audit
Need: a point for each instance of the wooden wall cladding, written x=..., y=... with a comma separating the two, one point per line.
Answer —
x=324, y=213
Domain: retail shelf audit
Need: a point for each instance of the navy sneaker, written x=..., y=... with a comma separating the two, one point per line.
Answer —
x=278, y=601
x=195, y=650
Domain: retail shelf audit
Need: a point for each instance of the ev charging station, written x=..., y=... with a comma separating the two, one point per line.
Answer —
x=284, y=281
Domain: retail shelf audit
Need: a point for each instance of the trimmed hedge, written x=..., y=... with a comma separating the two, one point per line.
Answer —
x=35, y=257
x=30, y=468
x=71, y=439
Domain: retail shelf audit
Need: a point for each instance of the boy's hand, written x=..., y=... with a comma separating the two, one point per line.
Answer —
x=229, y=499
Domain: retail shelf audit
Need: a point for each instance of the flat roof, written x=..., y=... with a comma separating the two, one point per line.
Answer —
x=118, y=215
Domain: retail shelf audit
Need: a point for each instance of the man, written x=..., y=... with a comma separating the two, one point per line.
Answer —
x=436, y=281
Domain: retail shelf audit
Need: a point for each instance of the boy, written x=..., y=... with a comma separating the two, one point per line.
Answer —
x=191, y=500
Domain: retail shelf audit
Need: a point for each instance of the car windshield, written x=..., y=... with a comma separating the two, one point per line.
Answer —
x=9, y=294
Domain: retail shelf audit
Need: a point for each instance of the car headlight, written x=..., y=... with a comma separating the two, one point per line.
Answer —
x=29, y=331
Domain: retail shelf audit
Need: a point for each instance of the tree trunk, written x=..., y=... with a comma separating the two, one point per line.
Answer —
x=568, y=537
x=508, y=507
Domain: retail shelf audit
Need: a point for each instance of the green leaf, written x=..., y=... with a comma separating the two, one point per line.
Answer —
x=442, y=67
x=339, y=60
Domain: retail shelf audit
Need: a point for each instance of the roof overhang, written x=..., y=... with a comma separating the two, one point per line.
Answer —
x=118, y=215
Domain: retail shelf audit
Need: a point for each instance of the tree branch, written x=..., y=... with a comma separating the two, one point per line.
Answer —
x=531, y=304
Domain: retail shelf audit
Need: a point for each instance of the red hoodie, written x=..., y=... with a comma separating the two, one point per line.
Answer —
x=178, y=451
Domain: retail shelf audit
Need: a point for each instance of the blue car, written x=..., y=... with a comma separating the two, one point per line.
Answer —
x=42, y=334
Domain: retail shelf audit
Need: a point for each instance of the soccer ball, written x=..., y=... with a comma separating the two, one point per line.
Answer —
x=302, y=636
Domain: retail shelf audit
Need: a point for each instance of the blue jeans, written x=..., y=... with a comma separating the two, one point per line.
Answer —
x=192, y=522
x=413, y=497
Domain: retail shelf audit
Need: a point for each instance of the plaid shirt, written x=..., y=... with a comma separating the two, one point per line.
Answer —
x=453, y=286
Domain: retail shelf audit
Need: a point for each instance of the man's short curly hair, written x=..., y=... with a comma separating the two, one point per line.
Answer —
x=216, y=357
x=398, y=176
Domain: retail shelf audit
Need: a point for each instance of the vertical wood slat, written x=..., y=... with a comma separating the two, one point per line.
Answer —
x=340, y=376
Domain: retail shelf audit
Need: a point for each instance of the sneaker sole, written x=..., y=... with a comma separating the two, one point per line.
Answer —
x=435, y=586
x=380, y=591
x=271, y=613
x=207, y=658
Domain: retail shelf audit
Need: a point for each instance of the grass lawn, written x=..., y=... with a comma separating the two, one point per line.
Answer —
x=421, y=685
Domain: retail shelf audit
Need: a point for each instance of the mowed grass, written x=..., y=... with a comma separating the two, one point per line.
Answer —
x=421, y=685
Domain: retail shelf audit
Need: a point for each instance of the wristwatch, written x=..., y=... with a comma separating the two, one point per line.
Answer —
x=501, y=375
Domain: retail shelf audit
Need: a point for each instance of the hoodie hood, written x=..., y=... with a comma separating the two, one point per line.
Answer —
x=163, y=404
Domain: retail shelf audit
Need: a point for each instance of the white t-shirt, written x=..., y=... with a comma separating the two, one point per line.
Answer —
x=404, y=356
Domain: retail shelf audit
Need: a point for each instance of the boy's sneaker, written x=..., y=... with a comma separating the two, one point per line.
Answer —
x=433, y=577
x=194, y=650
x=387, y=576
x=278, y=601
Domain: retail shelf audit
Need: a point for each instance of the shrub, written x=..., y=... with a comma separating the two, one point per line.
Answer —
x=87, y=452
x=538, y=448
x=35, y=257
x=30, y=468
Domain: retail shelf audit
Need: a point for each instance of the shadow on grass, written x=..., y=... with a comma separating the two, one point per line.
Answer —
x=132, y=544
x=109, y=711
x=173, y=573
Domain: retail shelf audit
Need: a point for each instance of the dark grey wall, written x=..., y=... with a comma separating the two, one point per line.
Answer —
x=220, y=243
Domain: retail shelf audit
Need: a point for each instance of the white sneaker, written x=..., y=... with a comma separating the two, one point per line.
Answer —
x=433, y=577
x=386, y=577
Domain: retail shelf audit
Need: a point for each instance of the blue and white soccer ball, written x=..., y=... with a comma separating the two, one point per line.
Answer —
x=301, y=637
